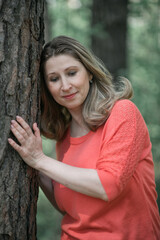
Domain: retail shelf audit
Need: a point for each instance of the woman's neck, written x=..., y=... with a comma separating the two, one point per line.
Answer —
x=78, y=127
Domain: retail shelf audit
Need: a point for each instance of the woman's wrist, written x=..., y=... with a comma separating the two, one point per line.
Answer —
x=40, y=162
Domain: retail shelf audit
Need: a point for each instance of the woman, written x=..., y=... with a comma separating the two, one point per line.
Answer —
x=103, y=181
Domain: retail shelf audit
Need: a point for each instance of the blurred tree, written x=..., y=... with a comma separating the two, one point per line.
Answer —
x=71, y=18
x=47, y=23
x=21, y=39
x=109, y=33
x=144, y=65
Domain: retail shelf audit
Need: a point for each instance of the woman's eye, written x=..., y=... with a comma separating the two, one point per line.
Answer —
x=53, y=79
x=72, y=73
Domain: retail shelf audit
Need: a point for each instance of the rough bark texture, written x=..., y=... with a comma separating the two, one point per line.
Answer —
x=109, y=25
x=21, y=39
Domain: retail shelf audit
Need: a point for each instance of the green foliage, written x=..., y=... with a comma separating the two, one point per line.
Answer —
x=49, y=147
x=72, y=18
x=144, y=65
x=48, y=218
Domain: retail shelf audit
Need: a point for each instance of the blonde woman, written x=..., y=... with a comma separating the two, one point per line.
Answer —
x=103, y=178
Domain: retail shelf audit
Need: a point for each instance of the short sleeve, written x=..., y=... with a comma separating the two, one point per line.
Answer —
x=125, y=137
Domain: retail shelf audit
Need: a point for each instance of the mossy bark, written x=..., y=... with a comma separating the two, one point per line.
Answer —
x=21, y=40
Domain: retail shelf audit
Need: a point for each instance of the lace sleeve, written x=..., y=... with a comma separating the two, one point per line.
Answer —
x=122, y=151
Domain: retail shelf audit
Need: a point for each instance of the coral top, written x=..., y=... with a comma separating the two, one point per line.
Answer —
x=120, y=151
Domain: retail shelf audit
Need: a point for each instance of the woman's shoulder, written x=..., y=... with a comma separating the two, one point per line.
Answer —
x=124, y=119
x=126, y=112
x=124, y=108
x=124, y=104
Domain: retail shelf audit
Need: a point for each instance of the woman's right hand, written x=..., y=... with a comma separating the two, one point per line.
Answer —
x=30, y=148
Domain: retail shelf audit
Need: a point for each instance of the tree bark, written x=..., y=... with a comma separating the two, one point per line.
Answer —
x=109, y=28
x=21, y=39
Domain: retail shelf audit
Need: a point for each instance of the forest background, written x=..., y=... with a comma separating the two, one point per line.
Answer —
x=74, y=18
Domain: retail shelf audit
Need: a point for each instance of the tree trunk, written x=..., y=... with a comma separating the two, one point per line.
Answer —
x=109, y=26
x=21, y=39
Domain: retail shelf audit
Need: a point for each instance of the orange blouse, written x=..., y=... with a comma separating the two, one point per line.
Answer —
x=120, y=151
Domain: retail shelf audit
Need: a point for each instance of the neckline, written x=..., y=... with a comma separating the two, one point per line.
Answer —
x=78, y=140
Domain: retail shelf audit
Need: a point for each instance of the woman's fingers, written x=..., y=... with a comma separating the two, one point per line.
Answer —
x=16, y=127
x=14, y=145
x=30, y=147
x=36, y=130
x=17, y=134
x=22, y=131
x=18, y=148
x=24, y=125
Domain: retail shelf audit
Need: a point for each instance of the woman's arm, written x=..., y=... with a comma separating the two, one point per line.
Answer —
x=82, y=180
x=47, y=187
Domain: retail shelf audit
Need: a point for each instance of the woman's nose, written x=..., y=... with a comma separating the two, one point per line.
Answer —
x=65, y=84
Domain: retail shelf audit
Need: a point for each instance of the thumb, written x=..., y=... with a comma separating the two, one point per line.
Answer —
x=36, y=130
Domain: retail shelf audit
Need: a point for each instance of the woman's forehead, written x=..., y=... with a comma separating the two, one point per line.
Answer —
x=61, y=62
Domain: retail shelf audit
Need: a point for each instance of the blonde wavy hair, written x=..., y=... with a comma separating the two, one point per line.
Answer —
x=103, y=93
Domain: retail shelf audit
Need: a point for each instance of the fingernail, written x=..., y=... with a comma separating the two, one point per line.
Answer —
x=18, y=117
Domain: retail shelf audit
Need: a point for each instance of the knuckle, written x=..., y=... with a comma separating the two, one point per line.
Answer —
x=27, y=128
x=21, y=138
x=25, y=135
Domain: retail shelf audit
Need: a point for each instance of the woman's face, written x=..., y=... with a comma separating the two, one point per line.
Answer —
x=67, y=80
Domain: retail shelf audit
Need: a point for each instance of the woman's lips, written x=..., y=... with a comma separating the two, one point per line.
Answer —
x=70, y=96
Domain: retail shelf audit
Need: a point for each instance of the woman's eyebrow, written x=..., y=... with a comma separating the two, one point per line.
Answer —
x=51, y=73
x=70, y=67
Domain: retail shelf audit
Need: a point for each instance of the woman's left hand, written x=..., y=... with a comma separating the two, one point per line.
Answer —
x=30, y=148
